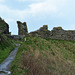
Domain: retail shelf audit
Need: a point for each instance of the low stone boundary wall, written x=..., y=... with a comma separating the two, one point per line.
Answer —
x=15, y=36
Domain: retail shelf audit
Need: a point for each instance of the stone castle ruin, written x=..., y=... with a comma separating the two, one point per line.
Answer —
x=4, y=27
x=56, y=33
x=22, y=28
x=59, y=33
x=43, y=32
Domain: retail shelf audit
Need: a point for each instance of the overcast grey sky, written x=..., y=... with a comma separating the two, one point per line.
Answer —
x=38, y=12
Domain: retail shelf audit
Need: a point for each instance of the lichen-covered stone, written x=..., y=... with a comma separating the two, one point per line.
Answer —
x=22, y=28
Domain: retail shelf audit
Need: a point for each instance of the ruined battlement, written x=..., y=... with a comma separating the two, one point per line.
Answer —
x=43, y=32
x=56, y=33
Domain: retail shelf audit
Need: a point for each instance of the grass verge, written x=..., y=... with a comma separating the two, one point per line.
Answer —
x=6, y=46
x=39, y=56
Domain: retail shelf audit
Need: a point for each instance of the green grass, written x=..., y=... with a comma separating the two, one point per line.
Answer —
x=39, y=56
x=6, y=46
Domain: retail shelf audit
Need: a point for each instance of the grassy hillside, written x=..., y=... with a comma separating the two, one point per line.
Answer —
x=6, y=46
x=39, y=56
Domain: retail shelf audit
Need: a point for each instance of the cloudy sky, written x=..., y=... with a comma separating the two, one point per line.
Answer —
x=38, y=12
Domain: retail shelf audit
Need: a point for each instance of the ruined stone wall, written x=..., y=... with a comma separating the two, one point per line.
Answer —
x=65, y=35
x=56, y=33
x=22, y=28
x=4, y=27
x=59, y=33
x=15, y=36
x=43, y=32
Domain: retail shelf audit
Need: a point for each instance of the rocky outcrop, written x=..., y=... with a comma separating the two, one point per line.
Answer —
x=22, y=28
x=4, y=27
x=43, y=32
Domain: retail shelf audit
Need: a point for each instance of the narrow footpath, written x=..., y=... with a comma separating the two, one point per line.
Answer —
x=6, y=64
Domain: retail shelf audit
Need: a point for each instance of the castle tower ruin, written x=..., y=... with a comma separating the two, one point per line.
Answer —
x=22, y=28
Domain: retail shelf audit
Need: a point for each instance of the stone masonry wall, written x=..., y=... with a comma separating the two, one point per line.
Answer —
x=43, y=32
x=62, y=34
x=22, y=28
x=56, y=33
